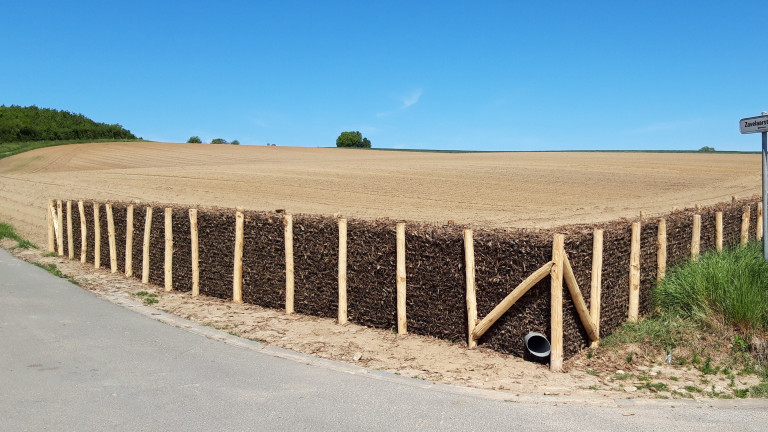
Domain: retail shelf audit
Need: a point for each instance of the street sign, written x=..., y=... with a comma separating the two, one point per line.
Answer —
x=754, y=124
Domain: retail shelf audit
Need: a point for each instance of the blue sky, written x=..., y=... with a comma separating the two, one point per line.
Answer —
x=483, y=75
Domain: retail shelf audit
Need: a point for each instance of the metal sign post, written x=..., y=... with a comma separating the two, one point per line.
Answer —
x=754, y=125
x=765, y=202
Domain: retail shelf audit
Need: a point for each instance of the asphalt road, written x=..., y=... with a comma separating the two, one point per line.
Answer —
x=72, y=361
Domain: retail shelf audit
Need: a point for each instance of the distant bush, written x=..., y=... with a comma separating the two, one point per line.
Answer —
x=26, y=124
x=352, y=139
x=194, y=140
x=219, y=141
x=235, y=142
x=707, y=149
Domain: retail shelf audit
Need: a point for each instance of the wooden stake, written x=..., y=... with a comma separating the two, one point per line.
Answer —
x=289, y=282
x=759, y=224
x=469, y=267
x=556, y=304
x=129, y=241
x=402, y=323
x=578, y=299
x=83, y=232
x=145, y=248
x=112, y=243
x=168, y=249
x=60, y=228
x=96, y=236
x=237, y=277
x=661, y=250
x=342, y=271
x=745, y=226
x=55, y=223
x=719, y=231
x=510, y=300
x=634, y=274
x=70, y=234
x=51, y=231
x=696, y=238
x=596, y=282
x=195, y=252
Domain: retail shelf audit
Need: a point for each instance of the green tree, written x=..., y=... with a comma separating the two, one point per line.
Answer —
x=352, y=139
x=25, y=124
x=194, y=140
x=707, y=149
x=219, y=141
x=235, y=142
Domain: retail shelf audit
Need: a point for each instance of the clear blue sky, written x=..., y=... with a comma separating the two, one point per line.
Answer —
x=482, y=75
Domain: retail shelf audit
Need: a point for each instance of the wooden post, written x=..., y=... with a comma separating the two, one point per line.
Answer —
x=83, y=232
x=634, y=274
x=556, y=304
x=51, y=231
x=402, y=323
x=719, y=231
x=96, y=236
x=168, y=249
x=237, y=276
x=342, y=271
x=70, y=234
x=596, y=282
x=195, y=252
x=145, y=248
x=60, y=228
x=745, y=226
x=696, y=238
x=129, y=241
x=112, y=242
x=661, y=250
x=578, y=300
x=289, y=282
x=510, y=300
x=469, y=266
x=759, y=224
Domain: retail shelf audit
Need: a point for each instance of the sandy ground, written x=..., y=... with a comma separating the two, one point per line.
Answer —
x=522, y=190
x=600, y=377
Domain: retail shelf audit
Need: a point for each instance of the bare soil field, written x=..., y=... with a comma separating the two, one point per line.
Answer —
x=501, y=190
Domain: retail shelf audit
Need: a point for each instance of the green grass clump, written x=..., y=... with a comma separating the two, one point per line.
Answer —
x=7, y=231
x=732, y=284
x=760, y=390
x=149, y=298
x=52, y=269
x=663, y=332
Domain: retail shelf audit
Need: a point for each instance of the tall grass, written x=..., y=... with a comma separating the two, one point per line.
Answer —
x=732, y=284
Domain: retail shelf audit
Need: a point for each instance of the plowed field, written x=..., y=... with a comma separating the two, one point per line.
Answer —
x=521, y=190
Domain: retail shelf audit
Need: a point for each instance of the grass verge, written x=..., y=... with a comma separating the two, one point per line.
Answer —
x=732, y=285
x=7, y=231
x=52, y=269
x=711, y=315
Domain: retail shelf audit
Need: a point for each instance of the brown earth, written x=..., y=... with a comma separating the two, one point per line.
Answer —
x=520, y=190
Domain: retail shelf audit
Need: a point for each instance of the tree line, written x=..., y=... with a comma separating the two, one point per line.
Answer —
x=25, y=124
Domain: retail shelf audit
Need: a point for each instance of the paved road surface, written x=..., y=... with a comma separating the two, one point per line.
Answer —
x=72, y=361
